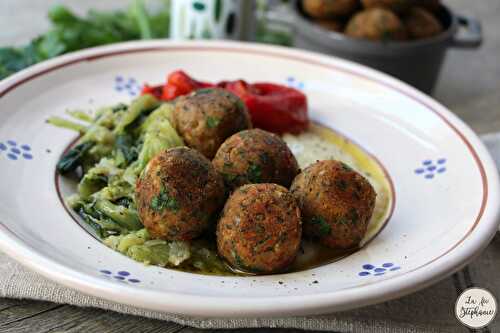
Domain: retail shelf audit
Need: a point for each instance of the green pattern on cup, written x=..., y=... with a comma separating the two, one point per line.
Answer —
x=199, y=6
x=218, y=10
x=210, y=19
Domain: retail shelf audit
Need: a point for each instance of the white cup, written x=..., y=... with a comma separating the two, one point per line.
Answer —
x=212, y=19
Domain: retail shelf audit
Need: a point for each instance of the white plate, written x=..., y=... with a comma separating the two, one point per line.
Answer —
x=446, y=185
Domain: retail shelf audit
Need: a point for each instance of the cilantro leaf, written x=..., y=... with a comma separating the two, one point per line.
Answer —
x=212, y=122
x=254, y=173
x=164, y=200
x=323, y=228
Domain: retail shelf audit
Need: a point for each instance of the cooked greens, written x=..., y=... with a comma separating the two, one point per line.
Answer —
x=73, y=158
x=115, y=146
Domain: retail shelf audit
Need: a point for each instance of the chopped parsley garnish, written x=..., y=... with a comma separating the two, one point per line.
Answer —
x=254, y=173
x=164, y=200
x=323, y=227
x=212, y=122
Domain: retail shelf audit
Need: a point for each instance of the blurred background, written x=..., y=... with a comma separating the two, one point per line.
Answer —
x=449, y=53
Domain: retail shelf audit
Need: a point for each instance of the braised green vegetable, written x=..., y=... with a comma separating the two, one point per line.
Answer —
x=123, y=216
x=115, y=146
x=73, y=158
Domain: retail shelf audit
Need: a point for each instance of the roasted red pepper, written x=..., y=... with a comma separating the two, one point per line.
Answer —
x=178, y=84
x=156, y=91
x=273, y=107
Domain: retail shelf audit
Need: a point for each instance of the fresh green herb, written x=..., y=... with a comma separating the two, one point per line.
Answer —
x=73, y=158
x=323, y=227
x=15, y=59
x=164, y=200
x=70, y=32
x=140, y=13
x=254, y=173
x=212, y=122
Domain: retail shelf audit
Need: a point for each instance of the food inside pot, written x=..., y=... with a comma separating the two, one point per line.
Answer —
x=377, y=20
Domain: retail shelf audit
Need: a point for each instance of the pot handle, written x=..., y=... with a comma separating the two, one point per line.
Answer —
x=472, y=35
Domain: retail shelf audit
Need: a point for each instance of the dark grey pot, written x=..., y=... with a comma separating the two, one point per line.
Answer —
x=416, y=62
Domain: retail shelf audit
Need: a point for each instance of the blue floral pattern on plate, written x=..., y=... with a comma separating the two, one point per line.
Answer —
x=14, y=151
x=294, y=83
x=129, y=85
x=372, y=270
x=121, y=276
x=429, y=168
